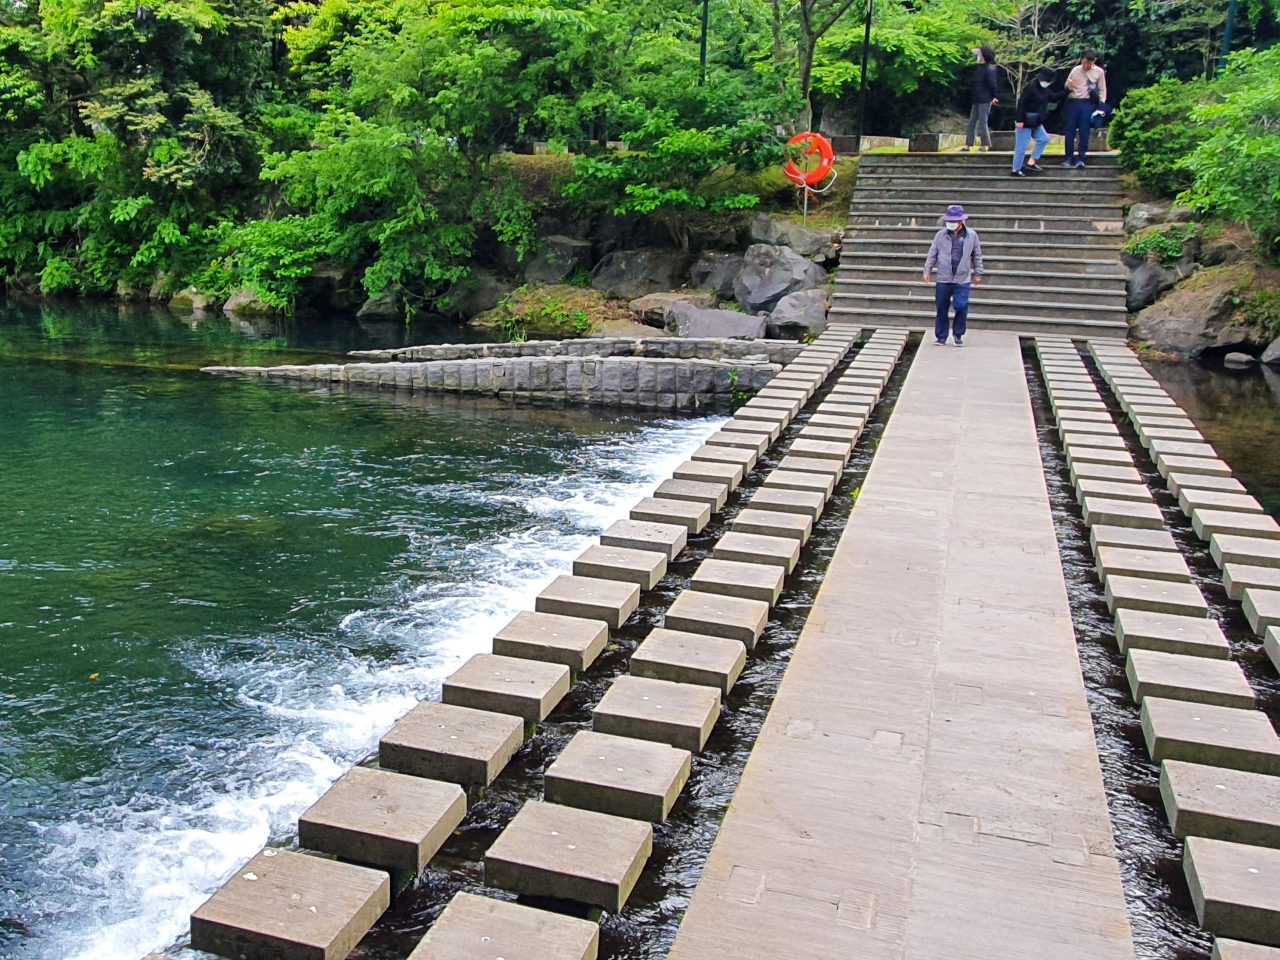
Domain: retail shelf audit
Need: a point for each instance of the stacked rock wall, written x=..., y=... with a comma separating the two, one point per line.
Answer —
x=698, y=348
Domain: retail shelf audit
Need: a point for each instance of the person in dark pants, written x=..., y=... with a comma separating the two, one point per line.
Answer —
x=1086, y=90
x=956, y=257
x=986, y=81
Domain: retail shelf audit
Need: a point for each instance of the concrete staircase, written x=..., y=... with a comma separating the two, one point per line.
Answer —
x=1051, y=244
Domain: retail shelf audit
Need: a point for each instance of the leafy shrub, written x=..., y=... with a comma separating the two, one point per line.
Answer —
x=1153, y=133
x=1164, y=243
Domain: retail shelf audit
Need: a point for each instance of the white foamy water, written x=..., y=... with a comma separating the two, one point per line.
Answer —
x=121, y=879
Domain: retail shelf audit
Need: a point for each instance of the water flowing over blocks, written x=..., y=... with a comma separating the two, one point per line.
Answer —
x=692, y=516
x=1236, y=577
x=1111, y=490
x=1132, y=537
x=1174, y=676
x=819, y=465
x=1224, y=949
x=289, y=906
x=1148, y=564
x=758, y=548
x=1169, y=633
x=1121, y=513
x=748, y=441
x=733, y=578
x=771, y=523
x=1207, y=522
x=665, y=538
x=804, y=502
x=1158, y=596
x=1261, y=608
x=622, y=776
x=1177, y=482
x=679, y=714
x=457, y=744
x=1082, y=453
x=523, y=688
x=590, y=598
x=480, y=928
x=718, y=615
x=572, y=641
x=1235, y=888
x=695, y=491
x=1104, y=471
x=1223, y=804
x=383, y=819
x=780, y=479
x=552, y=851
x=1217, y=736
x=703, y=471
x=1168, y=463
x=682, y=657
x=738, y=456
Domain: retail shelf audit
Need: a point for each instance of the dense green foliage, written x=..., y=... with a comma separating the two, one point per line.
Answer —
x=1154, y=135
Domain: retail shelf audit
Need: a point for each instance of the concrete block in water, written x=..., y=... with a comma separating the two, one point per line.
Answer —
x=1224, y=949
x=1112, y=473
x=1121, y=513
x=736, y=456
x=844, y=436
x=289, y=906
x=1222, y=804
x=1271, y=645
x=1168, y=463
x=1111, y=490
x=1216, y=736
x=704, y=471
x=852, y=424
x=383, y=819
x=665, y=538
x=481, y=928
x=1148, y=564
x=820, y=465
x=825, y=449
x=1175, y=676
x=1170, y=633
x=1236, y=577
x=592, y=598
x=1235, y=888
x=1261, y=608
x=1083, y=453
x=1181, y=448
x=549, y=850
x=446, y=742
x=772, y=523
x=679, y=714
x=1087, y=427
x=732, y=578
x=523, y=688
x=682, y=657
x=1254, y=551
x=1105, y=535
x=757, y=548
x=554, y=638
x=1206, y=522
x=1158, y=596
x=763, y=415
x=754, y=442
x=1105, y=441
x=1177, y=482
x=719, y=615
x=805, y=502
x=695, y=491
x=1095, y=415
x=1149, y=436
x=770, y=430
x=781, y=479
x=622, y=776
x=692, y=516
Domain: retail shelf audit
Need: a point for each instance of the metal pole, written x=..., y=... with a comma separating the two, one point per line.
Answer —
x=862, y=82
x=1226, y=37
x=702, y=76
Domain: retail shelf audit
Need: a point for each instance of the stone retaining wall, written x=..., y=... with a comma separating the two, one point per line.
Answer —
x=664, y=384
x=691, y=348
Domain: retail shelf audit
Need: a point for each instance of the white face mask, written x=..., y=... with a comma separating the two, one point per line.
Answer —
x=977, y=54
x=1045, y=83
x=953, y=227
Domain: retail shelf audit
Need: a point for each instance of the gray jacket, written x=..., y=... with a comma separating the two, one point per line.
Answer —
x=939, y=258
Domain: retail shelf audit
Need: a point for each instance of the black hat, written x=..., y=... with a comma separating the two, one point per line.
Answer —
x=1045, y=73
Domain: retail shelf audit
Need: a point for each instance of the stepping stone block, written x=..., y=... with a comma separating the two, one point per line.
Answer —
x=1158, y=596
x=1080, y=453
x=757, y=548
x=622, y=776
x=1222, y=804
x=692, y=516
x=480, y=928
x=1237, y=576
x=572, y=641
x=383, y=819
x=1224, y=949
x=679, y=714
x=717, y=615
x=1148, y=564
x=457, y=744
x=763, y=401
x=1174, y=676
x=851, y=411
x=590, y=598
x=703, y=471
x=1177, y=482
x=641, y=567
x=1121, y=513
x=1254, y=551
x=770, y=431
x=523, y=688
x=840, y=435
x=1111, y=490
x=1069, y=425
x=1182, y=448
x=1105, y=471
x=850, y=423
x=804, y=502
x=769, y=415
x=771, y=523
x=1215, y=736
x=818, y=465
x=695, y=491
x=1104, y=535
x=1105, y=441
x=1169, y=463
x=1261, y=608
x=738, y=456
x=746, y=441
x=733, y=578
x=665, y=538
x=1169, y=633
x=681, y=657
x=289, y=906
x=1150, y=435
x=1235, y=888
x=797, y=480
x=1271, y=645
x=1088, y=416
x=1207, y=522
x=549, y=850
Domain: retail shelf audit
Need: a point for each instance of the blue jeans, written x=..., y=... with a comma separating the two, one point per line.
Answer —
x=945, y=296
x=1022, y=138
x=1079, y=113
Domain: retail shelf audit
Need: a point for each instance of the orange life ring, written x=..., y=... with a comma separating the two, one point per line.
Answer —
x=815, y=145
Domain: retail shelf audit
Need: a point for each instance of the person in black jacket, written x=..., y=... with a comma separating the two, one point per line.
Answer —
x=986, y=80
x=1033, y=109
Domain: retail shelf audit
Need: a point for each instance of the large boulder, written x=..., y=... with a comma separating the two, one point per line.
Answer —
x=1239, y=360
x=631, y=274
x=686, y=320
x=799, y=314
x=652, y=308
x=716, y=271
x=1143, y=215
x=246, y=302
x=1229, y=244
x=1198, y=315
x=558, y=258
x=189, y=300
x=817, y=243
x=1146, y=282
x=385, y=306
x=771, y=272
x=478, y=291
x=1272, y=353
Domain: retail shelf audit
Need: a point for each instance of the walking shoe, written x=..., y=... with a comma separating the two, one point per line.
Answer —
x=1016, y=173
x=983, y=149
x=959, y=341
x=1079, y=164
x=1069, y=162
x=1032, y=168
x=940, y=342
x=965, y=149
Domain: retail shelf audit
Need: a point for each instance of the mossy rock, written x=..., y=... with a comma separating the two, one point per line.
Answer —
x=553, y=311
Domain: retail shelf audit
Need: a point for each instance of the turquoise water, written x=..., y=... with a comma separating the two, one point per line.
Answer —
x=215, y=595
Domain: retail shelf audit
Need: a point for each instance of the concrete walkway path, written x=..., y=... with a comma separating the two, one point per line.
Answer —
x=926, y=785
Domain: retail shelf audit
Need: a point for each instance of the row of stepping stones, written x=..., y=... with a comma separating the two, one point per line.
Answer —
x=589, y=839
x=1219, y=755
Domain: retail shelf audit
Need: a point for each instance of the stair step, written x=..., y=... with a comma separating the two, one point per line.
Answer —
x=999, y=286
x=1076, y=326
x=984, y=223
x=858, y=252
x=1093, y=242
x=1031, y=306
x=1106, y=183
x=1011, y=196
x=996, y=272
x=993, y=158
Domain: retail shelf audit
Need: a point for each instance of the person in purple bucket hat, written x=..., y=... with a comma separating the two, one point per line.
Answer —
x=956, y=257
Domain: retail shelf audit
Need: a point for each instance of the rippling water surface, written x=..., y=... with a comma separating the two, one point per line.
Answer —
x=216, y=595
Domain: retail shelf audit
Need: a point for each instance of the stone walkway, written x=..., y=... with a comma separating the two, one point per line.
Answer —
x=926, y=784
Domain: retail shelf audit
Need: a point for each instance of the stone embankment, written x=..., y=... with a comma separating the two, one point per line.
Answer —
x=649, y=373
